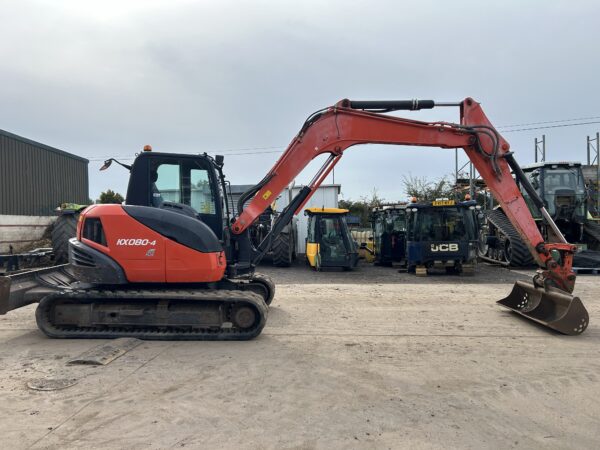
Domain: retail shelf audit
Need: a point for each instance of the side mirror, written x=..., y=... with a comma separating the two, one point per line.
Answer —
x=106, y=164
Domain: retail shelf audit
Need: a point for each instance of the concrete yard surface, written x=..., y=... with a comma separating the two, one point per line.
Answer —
x=365, y=359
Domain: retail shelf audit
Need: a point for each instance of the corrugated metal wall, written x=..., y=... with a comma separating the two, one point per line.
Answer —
x=35, y=178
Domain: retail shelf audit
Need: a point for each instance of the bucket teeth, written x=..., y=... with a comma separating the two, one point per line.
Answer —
x=552, y=308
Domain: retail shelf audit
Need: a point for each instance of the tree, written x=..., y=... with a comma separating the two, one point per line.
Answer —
x=426, y=190
x=363, y=207
x=110, y=197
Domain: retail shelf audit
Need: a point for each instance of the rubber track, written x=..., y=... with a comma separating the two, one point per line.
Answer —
x=281, y=249
x=149, y=332
x=521, y=257
x=65, y=228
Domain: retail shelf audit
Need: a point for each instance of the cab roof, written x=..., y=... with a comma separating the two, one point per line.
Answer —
x=551, y=164
x=326, y=210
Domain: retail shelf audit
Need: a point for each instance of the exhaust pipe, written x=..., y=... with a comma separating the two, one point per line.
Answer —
x=550, y=307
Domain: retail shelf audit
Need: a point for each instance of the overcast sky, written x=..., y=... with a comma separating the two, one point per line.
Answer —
x=101, y=79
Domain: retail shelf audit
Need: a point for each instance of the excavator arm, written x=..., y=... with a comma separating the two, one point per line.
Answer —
x=334, y=129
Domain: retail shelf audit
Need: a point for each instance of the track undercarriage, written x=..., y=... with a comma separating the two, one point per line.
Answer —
x=227, y=310
x=153, y=314
x=501, y=243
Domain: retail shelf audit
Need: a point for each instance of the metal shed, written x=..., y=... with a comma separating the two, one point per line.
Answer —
x=326, y=196
x=36, y=178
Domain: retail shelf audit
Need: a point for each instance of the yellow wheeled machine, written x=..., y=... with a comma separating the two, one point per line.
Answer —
x=366, y=247
x=329, y=242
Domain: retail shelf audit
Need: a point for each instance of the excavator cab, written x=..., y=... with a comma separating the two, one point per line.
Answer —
x=389, y=234
x=442, y=235
x=561, y=186
x=329, y=242
x=185, y=184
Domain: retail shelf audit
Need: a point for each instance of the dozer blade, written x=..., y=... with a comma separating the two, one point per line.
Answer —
x=29, y=287
x=550, y=307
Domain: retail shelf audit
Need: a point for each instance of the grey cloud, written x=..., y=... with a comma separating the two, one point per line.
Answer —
x=104, y=80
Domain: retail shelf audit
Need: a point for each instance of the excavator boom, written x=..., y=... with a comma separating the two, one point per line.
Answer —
x=348, y=123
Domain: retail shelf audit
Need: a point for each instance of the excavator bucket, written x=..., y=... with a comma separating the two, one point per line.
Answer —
x=550, y=307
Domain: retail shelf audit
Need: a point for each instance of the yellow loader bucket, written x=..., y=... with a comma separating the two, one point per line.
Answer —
x=550, y=307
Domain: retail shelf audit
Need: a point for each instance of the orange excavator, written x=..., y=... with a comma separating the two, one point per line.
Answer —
x=172, y=262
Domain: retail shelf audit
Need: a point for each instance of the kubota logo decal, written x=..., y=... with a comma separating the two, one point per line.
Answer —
x=444, y=247
x=136, y=242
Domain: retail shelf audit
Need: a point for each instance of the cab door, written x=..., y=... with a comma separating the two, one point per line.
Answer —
x=189, y=184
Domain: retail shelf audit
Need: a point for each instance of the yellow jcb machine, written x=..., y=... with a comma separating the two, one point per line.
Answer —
x=329, y=242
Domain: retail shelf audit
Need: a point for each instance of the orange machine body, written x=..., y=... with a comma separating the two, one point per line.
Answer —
x=145, y=255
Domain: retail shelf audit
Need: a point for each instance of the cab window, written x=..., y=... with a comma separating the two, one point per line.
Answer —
x=201, y=196
x=311, y=230
x=182, y=183
x=166, y=186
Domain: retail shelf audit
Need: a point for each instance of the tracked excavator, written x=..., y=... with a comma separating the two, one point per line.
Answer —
x=171, y=263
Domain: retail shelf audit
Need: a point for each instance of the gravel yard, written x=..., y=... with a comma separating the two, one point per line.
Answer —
x=365, y=359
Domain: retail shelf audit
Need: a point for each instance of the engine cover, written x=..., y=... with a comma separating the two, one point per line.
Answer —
x=151, y=245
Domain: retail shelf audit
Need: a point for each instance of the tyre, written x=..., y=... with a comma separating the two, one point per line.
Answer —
x=65, y=228
x=482, y=244
x=592, y=234
x=282, y=250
